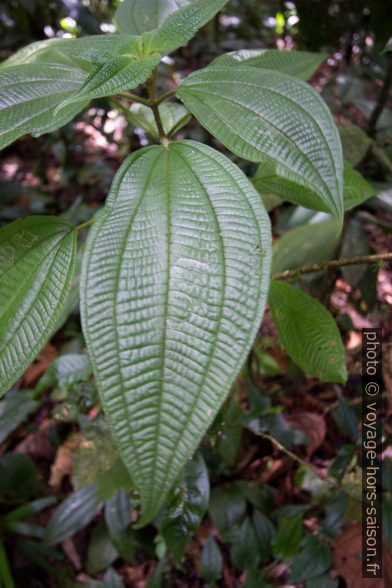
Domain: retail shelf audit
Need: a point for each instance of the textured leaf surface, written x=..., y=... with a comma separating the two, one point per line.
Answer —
x=270, y=117
x=308, y=332
x=180, y=26
x=311, y=243
x=173, y=289
x=136, y=17
x=47, y=83
x=300, y=64
x=37, y=261
x=174, y=116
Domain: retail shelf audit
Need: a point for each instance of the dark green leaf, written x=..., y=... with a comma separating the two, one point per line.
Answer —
x=313, y=560
x=245, y=552
x=14, y=409
x=266, y=534
x=355, y=242
x=211, y=561
x=112, y=579
x=227, y=507
x=77, y=511
x=18, y=477
x=289, y=537
x=101, y=552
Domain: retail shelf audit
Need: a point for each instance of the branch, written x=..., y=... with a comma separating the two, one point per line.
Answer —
x=382, y=99
x=318, y=267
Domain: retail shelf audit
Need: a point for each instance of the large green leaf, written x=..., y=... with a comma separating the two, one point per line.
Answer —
x=308, y=332
x=174, y=283
x=136, y=17
x=356, y=189
x=271, y=117
x=300, y=64
x=47, y=83
x=180, y=26
x=37, y=262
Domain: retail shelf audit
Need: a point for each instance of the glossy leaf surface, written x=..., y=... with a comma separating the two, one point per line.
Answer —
x=308, y=332
x=174, y=283
x=300, y=64
x=136, y=17
x=270, y=117
x=37, y=262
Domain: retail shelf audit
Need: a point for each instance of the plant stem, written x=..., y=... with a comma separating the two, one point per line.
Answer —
x=134, y=98
x=317, y=267
x=296, y=458
x=86, y=224
x=382, y=99
x=6, y=579
x=152, y=94
x=163, y=97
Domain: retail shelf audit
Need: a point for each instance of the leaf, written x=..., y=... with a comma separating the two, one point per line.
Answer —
x=180, y=26
x=306, y=244
x=117, y=478
x=14, y=409
x=118, y=512
x=312, y=424
x=289, y=537
x=270, y=117
x=174, y=116
x=355, y=243
x=266, y=534
x=113, y=580
x=300, y=64
x=28, y=510
x=18, y=477
x=308, y=332
x=187, y=507
x=73, y=514
x=46, y=84
x=245, y=552
x=65, y=371
x=211, y=561
x=356, y=189
x=160, y=303
x=101, y=552
x=42, y=249
x=313, y=560
x=355, y=142
x=136, y=17
x=227, y=507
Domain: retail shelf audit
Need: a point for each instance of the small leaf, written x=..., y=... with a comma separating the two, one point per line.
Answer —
x=266, y=534
x=28, y=510
x=18, y=477
x=77, y=511
x=118, y=512
x=313, y=560
x=308, y=332
x=101, y=552
x=289, y=537
x=355, y=243
x=180, y=26
x=245, y=552
x=14, y=409
x=306, y=244
x=355, y=142
x=43, y=250
x=65, y=371
x=174, y=116
x=300, y=64
x=188, y=506
x=270, y=117
x=113, y=580
x=356, y=189
x=211, y=561
x=227, y=507
x=135, y=17
x=159, y=303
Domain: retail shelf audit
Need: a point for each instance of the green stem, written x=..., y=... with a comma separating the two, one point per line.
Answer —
x=152, y=94
x=317, y=267
x=135, y=98
x=86, y=224
x=6, y=579
x=164, y=96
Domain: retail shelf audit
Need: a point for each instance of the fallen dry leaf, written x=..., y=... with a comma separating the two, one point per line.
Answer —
x=312, y=424
x=45, y=358
x=347, y=560
x=62, y=465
